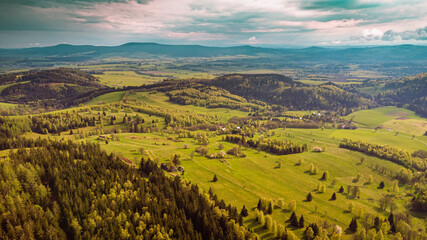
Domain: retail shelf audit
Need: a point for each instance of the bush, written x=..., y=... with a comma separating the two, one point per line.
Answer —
x=317, y=149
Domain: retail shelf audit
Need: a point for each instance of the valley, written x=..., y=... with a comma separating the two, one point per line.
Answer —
x=254, y=140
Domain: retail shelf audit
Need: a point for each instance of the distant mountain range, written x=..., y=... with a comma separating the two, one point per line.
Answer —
x=77, y=53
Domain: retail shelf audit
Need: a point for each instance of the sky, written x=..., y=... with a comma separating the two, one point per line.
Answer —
x=285, y=23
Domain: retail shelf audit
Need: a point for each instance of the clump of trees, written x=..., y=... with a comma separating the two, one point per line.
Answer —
x=393, y=154
x=273, y=146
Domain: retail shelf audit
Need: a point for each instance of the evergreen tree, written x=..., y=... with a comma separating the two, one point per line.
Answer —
x=244, y=212
x=392, y=224
x=294, y=219
x=376, y=222
x=382, y=185
x=309, y=197
x=215, y=178
x=270, y=209
x=341, y=190
x=259, y=206
x=334, y=197
x=325, y=176
x=301, y=222
x=353, y=225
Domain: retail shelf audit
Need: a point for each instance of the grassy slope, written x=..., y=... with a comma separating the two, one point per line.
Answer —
x=392, y=118
x=126, y=78
x=245, y=180
x=161, y=100
x=106, y=98
x=7, y=105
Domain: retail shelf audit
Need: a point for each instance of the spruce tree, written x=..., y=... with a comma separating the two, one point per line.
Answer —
x=270, y=209
x=353, y=225
x=341, y=189
x=215, y=178
x=301, y=222
x=334, y=197
x=259, y=206
x=244, y=212
x=382, y=185
x=309, y=197
x=294, y=219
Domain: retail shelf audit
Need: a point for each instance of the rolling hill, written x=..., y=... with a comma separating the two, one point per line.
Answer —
x=281, y=90
x=57, y=85
x=75, y=53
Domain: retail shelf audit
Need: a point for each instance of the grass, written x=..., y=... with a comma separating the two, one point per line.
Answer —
x=244, y=180
x=7, y=105
x=106, y=98
x=161, y=100
x=125, y=78
x=391, y=118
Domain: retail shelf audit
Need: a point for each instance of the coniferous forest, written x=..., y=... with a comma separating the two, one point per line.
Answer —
x=59, y=190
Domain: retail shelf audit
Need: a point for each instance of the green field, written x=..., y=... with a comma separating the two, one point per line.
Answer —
x=7, y=105
x=391, y=118
x=242, y=181
x=125, y=78
x=106, y=98
x=161, y=100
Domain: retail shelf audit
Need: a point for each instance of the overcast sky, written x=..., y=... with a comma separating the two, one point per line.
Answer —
x=29, y=23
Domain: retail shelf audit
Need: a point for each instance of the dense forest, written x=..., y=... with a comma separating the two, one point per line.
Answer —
x=281, y=90
x=406, y=92
x=64, y=190
x=50, y=84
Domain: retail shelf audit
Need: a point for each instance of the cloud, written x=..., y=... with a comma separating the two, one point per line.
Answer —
x=321, y=25
x=418, y=34
x=215, y=22
x=252, y=40
x=56, y=3
x=338, y=4
x=372, y=34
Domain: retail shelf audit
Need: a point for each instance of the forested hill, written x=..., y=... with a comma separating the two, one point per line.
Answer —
x=56, y=85
x=408, y=92
x=76, y=53
x=66, y=190
x=281, y=90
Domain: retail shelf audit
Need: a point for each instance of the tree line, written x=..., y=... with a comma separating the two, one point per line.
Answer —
x=274, y=146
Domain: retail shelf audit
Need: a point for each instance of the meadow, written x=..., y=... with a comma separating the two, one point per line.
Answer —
x=243, y=181
x=392, y=119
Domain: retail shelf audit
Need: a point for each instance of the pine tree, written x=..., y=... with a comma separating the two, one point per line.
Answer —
x=294, y=219
x=391, y=221
x=353, y=225
x=334, y=197
x=309, y=197
x=259, y=206
x=325, y=176
x=301, y=222
x=382, y=185
x=270, y=209
x=377, y=222
x=215, y=178
x=341, y=189
x=244, y=212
